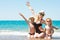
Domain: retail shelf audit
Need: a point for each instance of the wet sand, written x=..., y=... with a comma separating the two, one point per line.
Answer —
x=12, y=37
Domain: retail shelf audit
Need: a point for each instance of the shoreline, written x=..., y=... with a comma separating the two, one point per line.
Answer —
x=18, y=35
x=8, y=32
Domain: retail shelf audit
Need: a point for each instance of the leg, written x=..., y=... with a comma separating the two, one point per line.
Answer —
x=41, y=35
x=48, y=36
x=36, y=35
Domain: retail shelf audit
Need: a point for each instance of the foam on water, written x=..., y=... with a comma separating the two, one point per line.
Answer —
x=19, y=33
x=20, y=28
x=9, y=32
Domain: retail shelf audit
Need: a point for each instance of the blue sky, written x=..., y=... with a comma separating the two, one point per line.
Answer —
x=9, y=9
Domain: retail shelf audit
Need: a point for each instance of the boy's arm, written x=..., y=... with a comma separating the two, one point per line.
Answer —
x=30, y=25
x=28, y=4
x=23, y=17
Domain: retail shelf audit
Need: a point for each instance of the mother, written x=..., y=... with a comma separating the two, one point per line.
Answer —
x=38, y=22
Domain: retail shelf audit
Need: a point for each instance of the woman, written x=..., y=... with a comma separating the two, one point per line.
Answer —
x=30, y=23
x=38, y=26
x=38, y=22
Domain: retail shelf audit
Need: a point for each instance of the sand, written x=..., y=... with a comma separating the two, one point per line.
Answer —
x=14, y=37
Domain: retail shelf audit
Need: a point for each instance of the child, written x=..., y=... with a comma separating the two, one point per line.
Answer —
x=49, y=28
x=30, y=23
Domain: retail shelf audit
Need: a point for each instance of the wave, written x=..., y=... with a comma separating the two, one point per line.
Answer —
x=10, y=32
x=19, y=33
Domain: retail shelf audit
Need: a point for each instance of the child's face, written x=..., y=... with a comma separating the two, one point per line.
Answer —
x=48, y=21
x=32, y=20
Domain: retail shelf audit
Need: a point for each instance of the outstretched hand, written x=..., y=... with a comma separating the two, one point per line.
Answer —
x=28, y=4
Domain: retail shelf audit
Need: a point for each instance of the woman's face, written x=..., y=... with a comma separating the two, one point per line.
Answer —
x=40, y=16
x=48, y=22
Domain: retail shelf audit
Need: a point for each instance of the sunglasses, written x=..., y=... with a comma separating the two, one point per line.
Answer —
x=42, y=14
x=48, y=21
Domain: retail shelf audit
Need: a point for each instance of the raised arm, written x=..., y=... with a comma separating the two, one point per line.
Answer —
x=28, y=4
x=23, y=17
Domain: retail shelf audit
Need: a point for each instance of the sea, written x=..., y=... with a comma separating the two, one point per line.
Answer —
x=21, y=25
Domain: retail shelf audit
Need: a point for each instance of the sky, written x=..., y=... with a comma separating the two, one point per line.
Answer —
x=10, y=9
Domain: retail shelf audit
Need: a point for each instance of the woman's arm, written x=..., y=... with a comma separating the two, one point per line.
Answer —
x=23, y=17
x=43, y=22
x=28, y=4
x=41, y=29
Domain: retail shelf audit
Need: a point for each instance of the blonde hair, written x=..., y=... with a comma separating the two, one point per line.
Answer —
x=50, y=20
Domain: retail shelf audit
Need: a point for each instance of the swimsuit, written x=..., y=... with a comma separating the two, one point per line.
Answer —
x=37, y=27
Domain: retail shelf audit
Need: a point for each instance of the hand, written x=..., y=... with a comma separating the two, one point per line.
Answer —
x=28, y=4
x=20, y=14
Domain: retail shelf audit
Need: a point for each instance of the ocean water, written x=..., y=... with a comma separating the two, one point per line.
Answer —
x=20, y=25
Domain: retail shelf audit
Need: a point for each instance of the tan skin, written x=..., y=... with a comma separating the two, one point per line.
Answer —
x=31, y=26
x=48, y=31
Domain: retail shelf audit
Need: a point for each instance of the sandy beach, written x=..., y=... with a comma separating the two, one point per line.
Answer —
x=16, y=35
